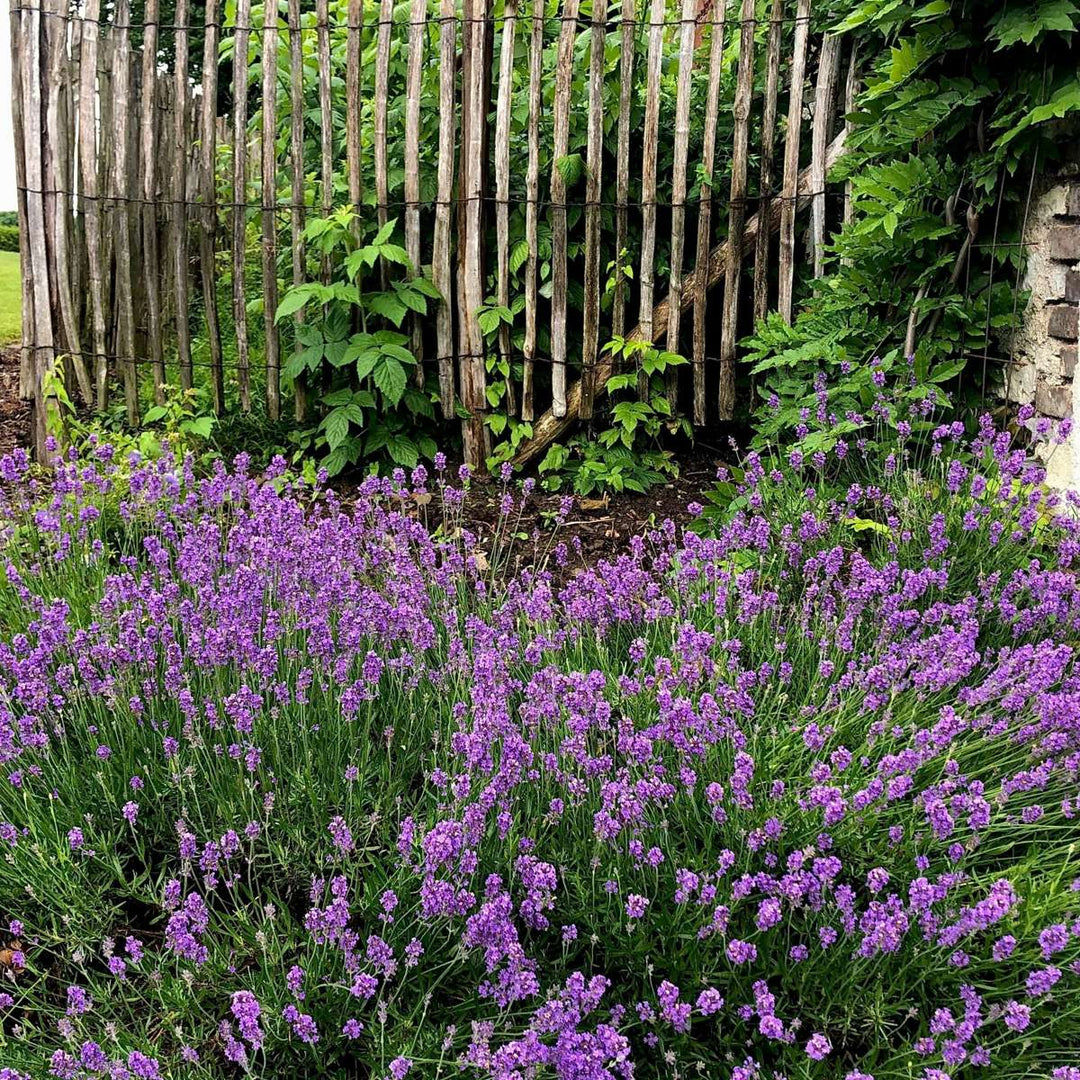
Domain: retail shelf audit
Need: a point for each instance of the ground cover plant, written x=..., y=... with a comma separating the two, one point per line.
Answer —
x=299, y=789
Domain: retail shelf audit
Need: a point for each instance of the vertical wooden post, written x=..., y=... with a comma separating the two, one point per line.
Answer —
x=125, y=341
x=622, y=162
x=471, y=340
x=440, y=265
x=564, y=74
x=269, y=207
x=381, y=105
x=851, y=91
x=532, y=198
x=26, y=277
x=296, y=154
x=88, y=180
x=241, y=37
x=148, y=147
x=824, y=93
x=744, y=90
x=765, y=176
x=181, y=146
x=718, y=14
x=208, y=147
x=326, y=118
x=57, y=192
x=354, y=44
x=593, y=186
x=650, y=143
x=687, y=34
x=417, y=32
x=502, y=181
x=792, y=137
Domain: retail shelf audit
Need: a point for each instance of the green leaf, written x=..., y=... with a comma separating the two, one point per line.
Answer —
x=293, y=301
x=336, y=426
x=158, y=412
x=202, y=426
x=390, y=378
x=402, y=451
x=387, y=305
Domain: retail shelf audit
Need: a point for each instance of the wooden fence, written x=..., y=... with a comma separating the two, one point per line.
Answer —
x=538, y=156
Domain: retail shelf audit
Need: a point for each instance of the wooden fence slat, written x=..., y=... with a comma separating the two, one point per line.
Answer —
x=26, y=353
x=502, y=181
x=326, y=118
x=628, y=30
x=475, y=435
x=564, y=73
x=687, y=35
x=354, y=74
x=123, y=299
x=792, y=138
x=768, y=145
x=148, y=146
x=740, y=149
x=208, y=235
x=417, y=37
x=851, y=91
x=241, y=36
x=718, y=11
x=106, y=207
x=57, y=190
x=30, y=88
x=296, y=155
x=650, y=142
x=590, y=338
x=382, y=95
x=269, y=207
x=824, y=94
x=181, y=144
x=440, y=266
x=532, y=196
x=90, y=190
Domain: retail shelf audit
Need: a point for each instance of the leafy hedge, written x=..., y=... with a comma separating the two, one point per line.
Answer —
x=9, y=238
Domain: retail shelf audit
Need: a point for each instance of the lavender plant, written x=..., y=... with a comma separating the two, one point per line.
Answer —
x=294, y=788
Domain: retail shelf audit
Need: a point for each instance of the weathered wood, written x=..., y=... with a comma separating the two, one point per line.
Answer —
x=681, y=150
x=532, y=197
x=181, y=144
x=208, y=235
x=26, y=277
x=740, y=149
x=354, y=74
x=564, y=73
x=269, y=207
x=475, y=435
x=851, y=91
x=123, y=299
x=440, y=265
x=824, y=98
x=326, y=119
x=718, y=13
x=792, y=138
x=628, y=29
x=550, y=427
x=382, y=101
x=502, y=180
x=148, y=169
x=650, y=142
x=768, y=144
x=590, y=338
x=417, y=36
x=296, y=155
x=57, y=191
x=241, y=36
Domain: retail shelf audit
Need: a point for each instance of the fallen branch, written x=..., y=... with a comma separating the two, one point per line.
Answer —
x=549, y=427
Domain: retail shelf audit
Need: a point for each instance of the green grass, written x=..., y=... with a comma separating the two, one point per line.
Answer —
x=10, y=298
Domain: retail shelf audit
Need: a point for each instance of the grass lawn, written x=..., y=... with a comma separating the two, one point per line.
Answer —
x=10, y=313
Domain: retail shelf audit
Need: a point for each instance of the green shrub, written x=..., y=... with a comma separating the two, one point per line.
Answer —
x=9, y=238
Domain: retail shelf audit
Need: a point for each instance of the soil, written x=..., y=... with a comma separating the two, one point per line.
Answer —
x=14, y=412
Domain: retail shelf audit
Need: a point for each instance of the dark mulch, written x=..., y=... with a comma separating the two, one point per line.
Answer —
x=14, y=412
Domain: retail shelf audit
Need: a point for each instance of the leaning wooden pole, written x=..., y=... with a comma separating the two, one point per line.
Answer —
x=417, y=36
x=181, y=143
x=768, y=145
x=550, y=427
x=502, y=181
x=824, y=93
x=26, y=280
x=440, y=264
x=148, y=148
x=532, y=197
x=628, y=30
x=296, y=163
